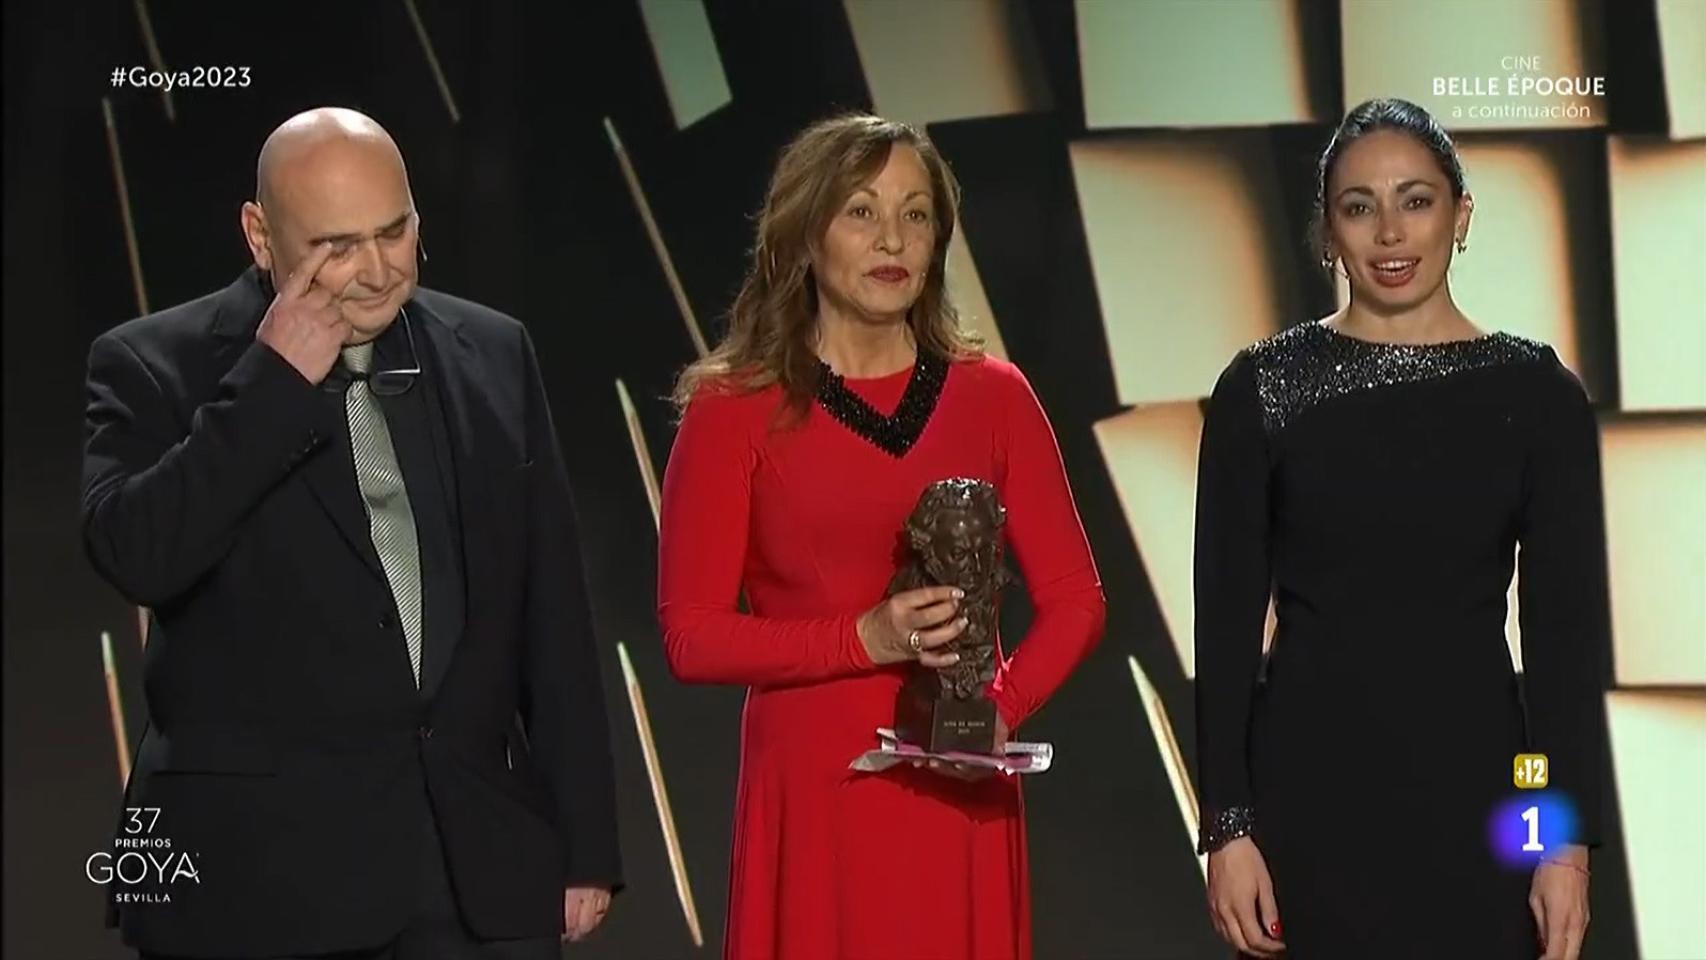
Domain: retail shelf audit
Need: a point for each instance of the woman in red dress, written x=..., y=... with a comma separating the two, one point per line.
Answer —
x=843, y=388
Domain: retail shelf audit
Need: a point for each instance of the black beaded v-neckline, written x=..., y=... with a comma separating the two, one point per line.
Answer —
x=896, y=433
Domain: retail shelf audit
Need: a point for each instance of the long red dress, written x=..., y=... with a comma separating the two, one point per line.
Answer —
x=827, y=862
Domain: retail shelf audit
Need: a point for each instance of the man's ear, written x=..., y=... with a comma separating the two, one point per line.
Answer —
x=258, y=234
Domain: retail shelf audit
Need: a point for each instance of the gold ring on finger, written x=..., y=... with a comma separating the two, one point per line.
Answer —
x=913, y=641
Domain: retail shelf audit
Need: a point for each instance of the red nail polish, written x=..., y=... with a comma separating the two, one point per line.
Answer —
x=1274, y=928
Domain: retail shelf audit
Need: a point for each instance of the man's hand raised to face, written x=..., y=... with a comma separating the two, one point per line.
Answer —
x=303, y=324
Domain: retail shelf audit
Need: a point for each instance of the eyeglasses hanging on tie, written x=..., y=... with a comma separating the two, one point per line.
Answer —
x=381, y=383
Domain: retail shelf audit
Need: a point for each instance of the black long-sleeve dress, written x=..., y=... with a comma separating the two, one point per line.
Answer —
x=1380, y=491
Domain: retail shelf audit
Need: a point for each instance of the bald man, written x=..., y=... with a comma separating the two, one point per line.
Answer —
x=375, y=721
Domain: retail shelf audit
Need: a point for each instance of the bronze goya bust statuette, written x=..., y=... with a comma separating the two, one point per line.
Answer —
x=953, y=537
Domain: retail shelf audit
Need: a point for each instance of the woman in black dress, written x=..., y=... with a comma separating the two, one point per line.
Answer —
x=1376, y=471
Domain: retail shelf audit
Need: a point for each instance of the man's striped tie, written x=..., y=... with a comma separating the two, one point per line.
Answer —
x=389, y=517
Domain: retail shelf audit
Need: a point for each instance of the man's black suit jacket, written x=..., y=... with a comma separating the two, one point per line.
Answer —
x=286, y=737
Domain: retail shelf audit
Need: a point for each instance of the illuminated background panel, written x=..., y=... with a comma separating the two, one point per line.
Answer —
x=687, y=57
x=1183, y=63
x=1657, y=256
x=927, y=62
x=1187, y=243
x=1658, y=740
x=1682, y=48
x=1151, y=453
x=1655, y=506
x=965, y=286
x=1527, y=269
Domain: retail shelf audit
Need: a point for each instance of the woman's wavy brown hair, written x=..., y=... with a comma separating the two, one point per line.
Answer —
x=772, y=324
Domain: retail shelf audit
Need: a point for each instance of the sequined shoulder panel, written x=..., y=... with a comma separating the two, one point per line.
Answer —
x=1308, y=364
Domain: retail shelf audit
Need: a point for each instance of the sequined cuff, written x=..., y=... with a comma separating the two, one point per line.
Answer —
x=1227, y=826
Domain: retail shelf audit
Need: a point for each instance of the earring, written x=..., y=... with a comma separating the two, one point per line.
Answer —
x=1327, y=262
x=1462, y=245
